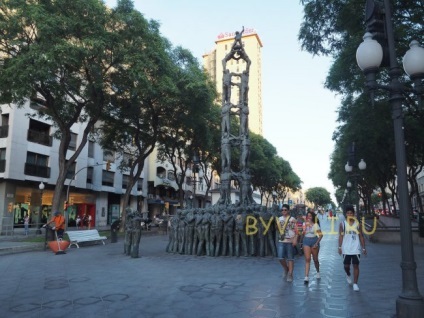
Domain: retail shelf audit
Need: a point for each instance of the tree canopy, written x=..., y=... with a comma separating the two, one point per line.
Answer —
x=336, y=28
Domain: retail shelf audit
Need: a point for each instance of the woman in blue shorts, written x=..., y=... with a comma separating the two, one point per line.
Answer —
x=312, y=235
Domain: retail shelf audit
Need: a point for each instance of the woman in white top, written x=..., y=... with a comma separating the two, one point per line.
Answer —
x=312, y=235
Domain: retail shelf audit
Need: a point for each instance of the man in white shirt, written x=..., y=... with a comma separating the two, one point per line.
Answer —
x=351, y=243
x=287, y=242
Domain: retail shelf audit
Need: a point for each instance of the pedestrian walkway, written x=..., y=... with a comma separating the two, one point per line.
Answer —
x=99, y=281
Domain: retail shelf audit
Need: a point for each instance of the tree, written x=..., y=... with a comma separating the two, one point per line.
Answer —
x=269, y=171
x=318, y=196
x=192, y=123
x=335, y=28
x=60, y=55
x=143, y=97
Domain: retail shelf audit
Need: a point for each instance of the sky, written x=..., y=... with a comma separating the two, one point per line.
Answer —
x=299, y=114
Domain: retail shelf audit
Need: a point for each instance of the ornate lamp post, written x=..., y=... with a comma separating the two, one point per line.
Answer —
x=354, y=175
x=41, y=186
x=369, y=57
x=195, y=173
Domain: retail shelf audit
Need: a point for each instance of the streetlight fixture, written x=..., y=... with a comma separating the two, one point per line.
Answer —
x=274, y=197
x=195, y=173
x=41, y=186
x=354, y=175
x=369, y=56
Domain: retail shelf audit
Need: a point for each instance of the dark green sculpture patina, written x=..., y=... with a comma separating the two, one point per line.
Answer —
x=227, y=228
x=237, y=82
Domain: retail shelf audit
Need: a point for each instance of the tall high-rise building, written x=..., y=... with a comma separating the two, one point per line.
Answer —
x=212, y=62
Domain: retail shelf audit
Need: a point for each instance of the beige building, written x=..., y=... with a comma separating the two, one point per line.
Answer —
x=212, y=62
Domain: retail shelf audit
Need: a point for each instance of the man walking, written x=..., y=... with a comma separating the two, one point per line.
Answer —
x=288, y=240
x=351, y=243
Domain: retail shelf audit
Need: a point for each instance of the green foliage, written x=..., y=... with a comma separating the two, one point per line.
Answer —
x=59, y=55
x=318, y=196
x=270, y=173
x=336, y=27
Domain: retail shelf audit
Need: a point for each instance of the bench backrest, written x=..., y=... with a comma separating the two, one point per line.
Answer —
x=75, y=235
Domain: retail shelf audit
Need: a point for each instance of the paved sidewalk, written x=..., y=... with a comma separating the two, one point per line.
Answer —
x=99, y=281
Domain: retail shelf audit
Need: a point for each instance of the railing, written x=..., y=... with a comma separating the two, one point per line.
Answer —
x=38, y=171
x=39, y=137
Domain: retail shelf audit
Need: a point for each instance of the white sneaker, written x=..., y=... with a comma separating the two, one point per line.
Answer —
x=318, y=276
x=289, y=278
x=349, y=280
x=285, y=273
x=355, y=287
x=306, y=280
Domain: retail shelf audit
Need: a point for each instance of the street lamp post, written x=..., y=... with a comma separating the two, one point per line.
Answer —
x=369, y=57
x=193, y=174
x=41, y=186
x=354, y=175
x=274, y=197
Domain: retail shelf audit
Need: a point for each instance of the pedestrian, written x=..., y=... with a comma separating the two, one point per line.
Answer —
x=89, y=221
x=78, y=221
x=312, y=236
x=351, y=243
x=59, y=224
x=287, y=242
x=26, y=224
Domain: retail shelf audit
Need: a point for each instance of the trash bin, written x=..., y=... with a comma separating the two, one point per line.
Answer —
x=421, y=224
x=114, y=228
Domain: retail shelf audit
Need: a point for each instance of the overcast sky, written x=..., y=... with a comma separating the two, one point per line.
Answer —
x=298, y=113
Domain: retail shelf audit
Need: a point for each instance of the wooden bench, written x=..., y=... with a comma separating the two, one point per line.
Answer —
x=76, y=237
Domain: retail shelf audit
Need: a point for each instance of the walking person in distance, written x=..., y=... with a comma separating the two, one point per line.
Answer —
x=351, y=244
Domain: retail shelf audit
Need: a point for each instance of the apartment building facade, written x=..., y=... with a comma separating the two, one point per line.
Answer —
x=212, y=62
x=29, y=170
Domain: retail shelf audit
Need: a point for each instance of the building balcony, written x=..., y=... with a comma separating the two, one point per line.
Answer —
x=38, y=171
x=165, y=183
x=39, y=137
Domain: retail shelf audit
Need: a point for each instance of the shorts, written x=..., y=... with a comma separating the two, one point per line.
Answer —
x=354, y=259
x=285, y=251
x=310, y=241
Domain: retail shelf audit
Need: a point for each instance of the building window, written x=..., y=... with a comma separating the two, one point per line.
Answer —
x=4, y=126
x=37, y=165
x=125, y=181
x=2, y=159
x=140, y=185
x=70, y=174
x=107, y=178
x=91, y=149
x=171, y=175
x=73, y=142
x=39, y=133
x=90, y=171
x=127, y=159
x=160, y=172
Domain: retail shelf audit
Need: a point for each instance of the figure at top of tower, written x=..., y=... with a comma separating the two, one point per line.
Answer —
x=237, y=45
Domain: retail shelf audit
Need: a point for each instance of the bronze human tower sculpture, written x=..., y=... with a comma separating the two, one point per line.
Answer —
x=235, y=102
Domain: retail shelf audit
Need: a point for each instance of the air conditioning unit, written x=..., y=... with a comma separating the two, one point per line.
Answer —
x=150, y=196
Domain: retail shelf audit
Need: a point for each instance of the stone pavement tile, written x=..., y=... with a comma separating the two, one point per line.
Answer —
x=97, y=280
